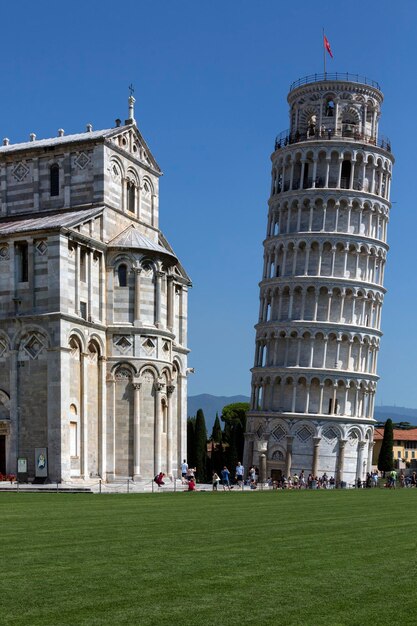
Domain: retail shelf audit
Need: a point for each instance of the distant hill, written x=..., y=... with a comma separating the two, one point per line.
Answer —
x=396, y=413
x=214, y=404
x=211, y=405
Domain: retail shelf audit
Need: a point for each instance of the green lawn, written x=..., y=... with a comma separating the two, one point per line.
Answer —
x=306, y=558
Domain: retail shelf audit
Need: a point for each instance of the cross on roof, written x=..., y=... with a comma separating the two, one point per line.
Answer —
x=131, y=89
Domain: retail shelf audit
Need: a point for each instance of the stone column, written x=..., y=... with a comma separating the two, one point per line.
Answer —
x=340, y=462
x=158, y=427
x=137, y=272
x=359, y=465
x=321, y=398
x=370, y=450
x=288, y=458
x=170, y=391
x=136, y=430
x=316, y=441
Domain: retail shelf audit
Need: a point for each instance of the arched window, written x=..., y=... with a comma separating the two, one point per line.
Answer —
x=329, y=108
x=54, y=179
x=345, y=177
x=131, y=196
x=122, y=275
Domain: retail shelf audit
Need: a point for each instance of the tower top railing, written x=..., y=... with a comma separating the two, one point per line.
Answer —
x=342, y=76
x=347, y=133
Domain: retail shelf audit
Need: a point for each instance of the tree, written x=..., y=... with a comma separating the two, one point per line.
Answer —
x=201, y=445
x=191, y=442
x=386, y=458
x=234, y=417
x=217, y=434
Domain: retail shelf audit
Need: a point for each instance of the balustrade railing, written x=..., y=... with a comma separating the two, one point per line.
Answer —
x=347, y=132
x=345, y=76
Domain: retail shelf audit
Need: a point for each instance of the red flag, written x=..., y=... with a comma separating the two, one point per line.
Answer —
x=327, y=46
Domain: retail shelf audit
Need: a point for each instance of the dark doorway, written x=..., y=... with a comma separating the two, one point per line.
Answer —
x=2, y=454
x=276, y=474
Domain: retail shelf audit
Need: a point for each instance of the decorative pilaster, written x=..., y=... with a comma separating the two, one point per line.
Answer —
x=136, y=430
x=84, y=415
x=359, y=466
x=288, y=458
x=158, y=427
x=170, y=391
x=316, y=442
x=170, y=302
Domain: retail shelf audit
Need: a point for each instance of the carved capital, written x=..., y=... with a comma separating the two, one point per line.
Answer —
x=159, y=386
x=136, y=386
x=170, y=389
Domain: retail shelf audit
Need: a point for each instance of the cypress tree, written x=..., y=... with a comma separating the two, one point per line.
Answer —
x=201, y=445
x=385, y=458
x=191, y=442
x=216, y=434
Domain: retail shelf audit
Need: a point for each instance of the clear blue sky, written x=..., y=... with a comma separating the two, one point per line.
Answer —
x=211, y=82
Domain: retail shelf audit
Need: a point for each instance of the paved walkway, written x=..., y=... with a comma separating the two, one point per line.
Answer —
x=99, y=486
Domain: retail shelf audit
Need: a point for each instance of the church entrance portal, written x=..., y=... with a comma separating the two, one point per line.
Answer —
x=2, y=454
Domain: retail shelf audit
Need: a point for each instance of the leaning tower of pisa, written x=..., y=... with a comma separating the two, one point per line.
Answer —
x=321, y=293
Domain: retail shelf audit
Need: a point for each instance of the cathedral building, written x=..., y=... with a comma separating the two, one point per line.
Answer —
x=93, y=311
x=322, y=288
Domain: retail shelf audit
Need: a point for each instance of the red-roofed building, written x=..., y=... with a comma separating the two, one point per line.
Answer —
x=404, y=449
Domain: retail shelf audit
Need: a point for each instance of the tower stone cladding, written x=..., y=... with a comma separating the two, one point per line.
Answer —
x=321, y=293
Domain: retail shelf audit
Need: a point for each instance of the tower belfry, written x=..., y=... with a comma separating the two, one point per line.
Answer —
x=321, y=293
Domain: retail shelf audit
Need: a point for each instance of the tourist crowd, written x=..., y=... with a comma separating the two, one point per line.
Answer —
x=238, y=479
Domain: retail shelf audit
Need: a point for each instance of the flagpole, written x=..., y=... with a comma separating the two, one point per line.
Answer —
x=324, y=56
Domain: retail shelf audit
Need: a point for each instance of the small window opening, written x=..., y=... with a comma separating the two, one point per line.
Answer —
x=130, y=196
x=122, y=275
x=83, y=266
x=54, y=180
x=73, y=439
x=83, y=310
x=22, y=262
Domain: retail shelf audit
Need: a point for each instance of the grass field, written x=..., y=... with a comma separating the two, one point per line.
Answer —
x=307, y=558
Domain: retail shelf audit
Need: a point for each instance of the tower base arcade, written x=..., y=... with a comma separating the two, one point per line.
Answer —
x=282, y=446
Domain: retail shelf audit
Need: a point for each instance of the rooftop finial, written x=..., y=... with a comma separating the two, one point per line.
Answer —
x=131, y=119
